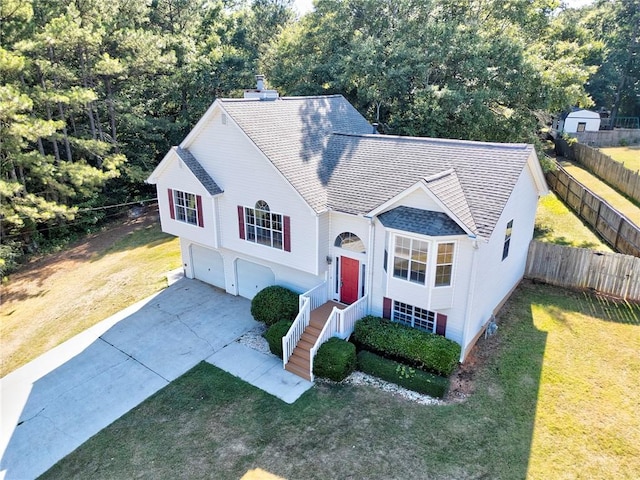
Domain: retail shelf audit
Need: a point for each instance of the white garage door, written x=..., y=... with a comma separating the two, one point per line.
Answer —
x=208, y=266
x=252, y=278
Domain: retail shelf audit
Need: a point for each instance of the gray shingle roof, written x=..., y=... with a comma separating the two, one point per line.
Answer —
x=293, y=132
x=424, y=222
x=203, y=177
x=447, y=188
x=325, y=149
x=369, y=170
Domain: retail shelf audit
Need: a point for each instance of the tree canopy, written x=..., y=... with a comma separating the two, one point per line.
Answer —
x=94, y=93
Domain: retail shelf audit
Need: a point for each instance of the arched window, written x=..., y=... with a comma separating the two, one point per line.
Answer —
x=264, y=227
x=350, y=241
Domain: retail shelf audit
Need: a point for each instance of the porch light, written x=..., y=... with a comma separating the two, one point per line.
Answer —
x=329, y=259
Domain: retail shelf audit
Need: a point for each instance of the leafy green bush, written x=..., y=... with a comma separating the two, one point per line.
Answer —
x=335, y=360
x=274, y=336
x=10, y=257
x=415, y=347
x=274, y=303
x=403, y=375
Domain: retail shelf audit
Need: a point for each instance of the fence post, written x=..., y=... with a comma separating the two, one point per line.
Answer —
x=620, y=224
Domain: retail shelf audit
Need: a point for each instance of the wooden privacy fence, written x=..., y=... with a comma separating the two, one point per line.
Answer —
x=612, y=172
x=609, y=273
x=616, y=229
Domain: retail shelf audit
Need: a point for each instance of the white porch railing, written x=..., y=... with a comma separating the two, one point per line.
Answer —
x=318, y=295
x=350, y=315
x=307, y=301
x=340, y=323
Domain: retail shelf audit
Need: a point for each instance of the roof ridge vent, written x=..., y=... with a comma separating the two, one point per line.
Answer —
x=438, y=176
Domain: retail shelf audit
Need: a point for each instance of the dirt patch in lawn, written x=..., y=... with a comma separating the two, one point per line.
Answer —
x=462, y=380
x=54, y=297
x=38, y=270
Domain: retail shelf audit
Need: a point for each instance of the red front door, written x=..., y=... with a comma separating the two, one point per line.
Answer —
x=349, y=273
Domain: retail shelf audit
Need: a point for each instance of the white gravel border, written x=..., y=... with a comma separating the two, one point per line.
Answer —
x=255, y=340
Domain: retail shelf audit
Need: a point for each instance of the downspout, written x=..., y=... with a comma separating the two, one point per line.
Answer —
x=470, y=295
x=216, y=224
x=371, y=256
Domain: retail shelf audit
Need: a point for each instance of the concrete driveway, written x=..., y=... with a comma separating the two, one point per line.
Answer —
x=55, y=403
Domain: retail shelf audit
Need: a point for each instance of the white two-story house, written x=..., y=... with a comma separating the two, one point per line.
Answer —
x=303, y=192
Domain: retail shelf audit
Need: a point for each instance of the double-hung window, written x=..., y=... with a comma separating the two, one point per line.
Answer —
x=444, y=264
x=186, y=207
x=410, y=259
x=260, y=225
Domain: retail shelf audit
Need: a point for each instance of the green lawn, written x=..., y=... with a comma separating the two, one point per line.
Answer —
x=556, y=397
x=630, y=156
x=556, y=223
x=53, y=299
x=604, y=191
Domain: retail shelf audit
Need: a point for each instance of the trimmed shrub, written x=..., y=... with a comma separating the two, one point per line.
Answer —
x=403, y=375
x=274, y=303
x=424, y=350
x=274, y=336
x=335, y=360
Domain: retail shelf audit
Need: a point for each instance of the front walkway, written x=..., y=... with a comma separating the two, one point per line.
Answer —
x=55, y=403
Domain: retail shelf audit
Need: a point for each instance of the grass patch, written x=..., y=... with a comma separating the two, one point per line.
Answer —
x=556, y=223
x=604, y=191
x=630, y=156
x=45, y=305
x=555, y=398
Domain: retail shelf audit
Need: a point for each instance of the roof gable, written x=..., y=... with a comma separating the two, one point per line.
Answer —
x=326, y=151
x=192, y=164
x=370, y=169
x=447, y=188
x=198, y=171
x=294, y=133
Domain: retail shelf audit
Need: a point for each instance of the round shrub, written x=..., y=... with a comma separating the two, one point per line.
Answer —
x=274, y=336
x=335, y=360
x=274, y=303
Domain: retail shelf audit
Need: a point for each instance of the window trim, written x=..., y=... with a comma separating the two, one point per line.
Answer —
x=260, y=225
x=438, y=264
x=350, y=241
x=440, y=327
x=411, y=260
x=182, y=208
x=416, y=314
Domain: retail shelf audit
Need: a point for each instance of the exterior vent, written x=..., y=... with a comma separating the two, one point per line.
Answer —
x=260, y=92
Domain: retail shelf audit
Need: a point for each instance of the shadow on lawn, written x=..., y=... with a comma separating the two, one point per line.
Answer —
x=591, y=303
x=502, y=410
x=208, y=421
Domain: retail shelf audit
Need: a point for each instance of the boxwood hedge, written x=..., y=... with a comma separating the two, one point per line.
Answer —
x=408, y=345
x=274, y=336
x=274, y=303
x=335, y=360
x=403, y=375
